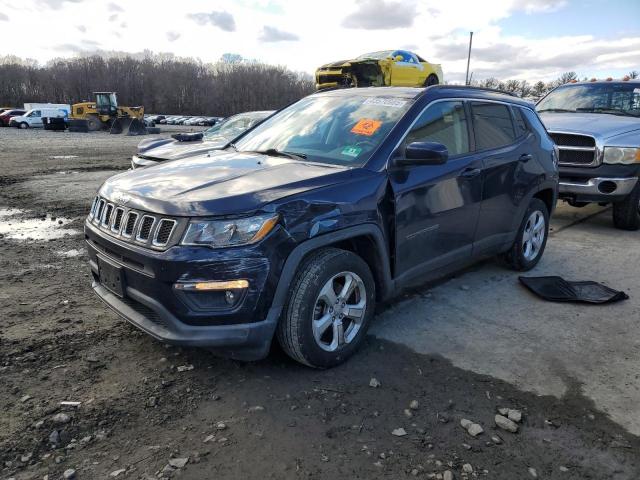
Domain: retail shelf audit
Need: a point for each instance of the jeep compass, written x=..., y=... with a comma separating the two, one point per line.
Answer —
x=299, y=226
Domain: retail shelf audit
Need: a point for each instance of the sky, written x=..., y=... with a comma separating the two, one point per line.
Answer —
x=519, y=39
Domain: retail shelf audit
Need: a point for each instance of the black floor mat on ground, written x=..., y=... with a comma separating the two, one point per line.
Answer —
x=557, y=289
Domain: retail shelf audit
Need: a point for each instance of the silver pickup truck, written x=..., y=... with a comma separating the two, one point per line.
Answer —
x=596, y=126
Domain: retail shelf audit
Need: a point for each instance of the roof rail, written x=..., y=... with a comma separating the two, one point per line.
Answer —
x=471, y=87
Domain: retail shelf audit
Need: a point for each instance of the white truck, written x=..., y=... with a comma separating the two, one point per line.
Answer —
x=33, y=118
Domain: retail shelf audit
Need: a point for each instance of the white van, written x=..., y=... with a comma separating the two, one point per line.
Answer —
x=33, y=118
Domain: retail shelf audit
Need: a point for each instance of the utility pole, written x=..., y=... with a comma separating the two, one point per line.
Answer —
x=467, y=80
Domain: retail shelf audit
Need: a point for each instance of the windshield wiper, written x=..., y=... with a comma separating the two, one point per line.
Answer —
x=612, y=111
x=274, y=152
x=561, y=110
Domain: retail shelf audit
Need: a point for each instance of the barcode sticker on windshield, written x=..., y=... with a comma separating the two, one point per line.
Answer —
x=385, y=102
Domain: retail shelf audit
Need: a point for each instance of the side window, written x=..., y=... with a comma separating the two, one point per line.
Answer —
x=520, y=123
x=442, y=122
x=492, y=125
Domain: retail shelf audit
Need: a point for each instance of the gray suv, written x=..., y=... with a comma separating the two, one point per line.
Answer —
x=596, y=126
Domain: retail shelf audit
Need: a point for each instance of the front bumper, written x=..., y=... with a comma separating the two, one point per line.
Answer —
x=243, y=330
x=250, y=341
x=601, y=187
x=137, y=162
x=606, y=183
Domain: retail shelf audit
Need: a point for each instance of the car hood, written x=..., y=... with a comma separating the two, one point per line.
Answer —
x=599, y=125
x=174, y=149
x=221, y=183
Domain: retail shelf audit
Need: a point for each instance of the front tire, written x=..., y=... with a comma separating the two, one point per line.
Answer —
x=331, y=304
x=531, y=240
x=626, y=214
x=93, y=122
x=23, y=125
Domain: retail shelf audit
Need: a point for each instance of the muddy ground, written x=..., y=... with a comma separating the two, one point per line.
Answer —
x=144, y=406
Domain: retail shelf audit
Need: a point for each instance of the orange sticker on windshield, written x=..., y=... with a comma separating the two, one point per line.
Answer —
x=366, y=126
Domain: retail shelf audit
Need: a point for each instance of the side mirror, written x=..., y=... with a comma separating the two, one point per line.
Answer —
x=398, y=58
x=424, y=153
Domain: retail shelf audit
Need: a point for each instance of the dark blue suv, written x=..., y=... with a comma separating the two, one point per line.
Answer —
x=338, y=201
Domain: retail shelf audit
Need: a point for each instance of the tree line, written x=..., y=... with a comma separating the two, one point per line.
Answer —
x=162, y=83
x=167, y=84
x=523, y=88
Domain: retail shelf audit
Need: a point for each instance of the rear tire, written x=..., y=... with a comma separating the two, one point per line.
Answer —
x=531, y=240
x=331, y=303
x=431, y=80
x=626, y=214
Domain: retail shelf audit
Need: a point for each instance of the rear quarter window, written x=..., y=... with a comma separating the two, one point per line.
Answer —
x=534, y=121
x=521, y=126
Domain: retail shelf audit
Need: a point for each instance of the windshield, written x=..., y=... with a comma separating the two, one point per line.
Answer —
x=376, y=55
x=613, y=98
x=338, y=130
x=234, y=126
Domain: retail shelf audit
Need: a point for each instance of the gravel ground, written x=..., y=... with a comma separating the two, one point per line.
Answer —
x=147, y=410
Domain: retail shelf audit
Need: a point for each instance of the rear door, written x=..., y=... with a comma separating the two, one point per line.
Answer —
x=507, y=148
x=437, y=206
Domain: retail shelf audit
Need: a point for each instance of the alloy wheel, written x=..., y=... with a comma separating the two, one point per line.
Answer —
x=339, y=311
x=533, y=236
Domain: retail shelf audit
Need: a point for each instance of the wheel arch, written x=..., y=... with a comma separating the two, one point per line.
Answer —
x=548, y=196
x=365, y=240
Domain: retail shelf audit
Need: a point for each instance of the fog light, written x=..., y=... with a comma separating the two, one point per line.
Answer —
x=230, y=297
x=209, y=286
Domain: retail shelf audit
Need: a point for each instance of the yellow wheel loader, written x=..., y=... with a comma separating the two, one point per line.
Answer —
x=105, y=113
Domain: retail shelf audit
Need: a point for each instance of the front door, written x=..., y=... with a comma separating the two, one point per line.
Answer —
x=35, y=118
x=437, y=206
x=405, y=69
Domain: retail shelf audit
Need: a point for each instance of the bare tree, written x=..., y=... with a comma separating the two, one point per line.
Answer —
x=162, y=83
x=633, y=74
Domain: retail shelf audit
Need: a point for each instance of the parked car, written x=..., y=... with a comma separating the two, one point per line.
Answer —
x=305, y=221
x=377, y=69
x=7, y=115
x=152, y=151
x=33, y=118
x=596, y=126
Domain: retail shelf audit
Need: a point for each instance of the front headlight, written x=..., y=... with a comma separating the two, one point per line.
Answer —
x=229, y=233
x=624, y=155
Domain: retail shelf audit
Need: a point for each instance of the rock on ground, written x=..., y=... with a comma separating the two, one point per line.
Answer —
x=506, y=424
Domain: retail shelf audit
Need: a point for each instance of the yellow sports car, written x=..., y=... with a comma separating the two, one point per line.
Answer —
x=377, y=69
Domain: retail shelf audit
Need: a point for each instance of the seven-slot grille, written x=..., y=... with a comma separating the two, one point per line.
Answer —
x=131, y=225
x=576, y=150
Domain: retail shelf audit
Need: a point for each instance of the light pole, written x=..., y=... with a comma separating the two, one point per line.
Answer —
x=467, y=80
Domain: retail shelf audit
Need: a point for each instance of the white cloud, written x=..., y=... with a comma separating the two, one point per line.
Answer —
x=222, y=20
x=381, y=15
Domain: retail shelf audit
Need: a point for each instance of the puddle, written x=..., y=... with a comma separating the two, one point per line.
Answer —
x=32, y=228
x=73, y=253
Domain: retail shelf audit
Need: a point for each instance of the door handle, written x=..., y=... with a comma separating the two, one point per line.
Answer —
x=525, y=157
x=470, y=172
